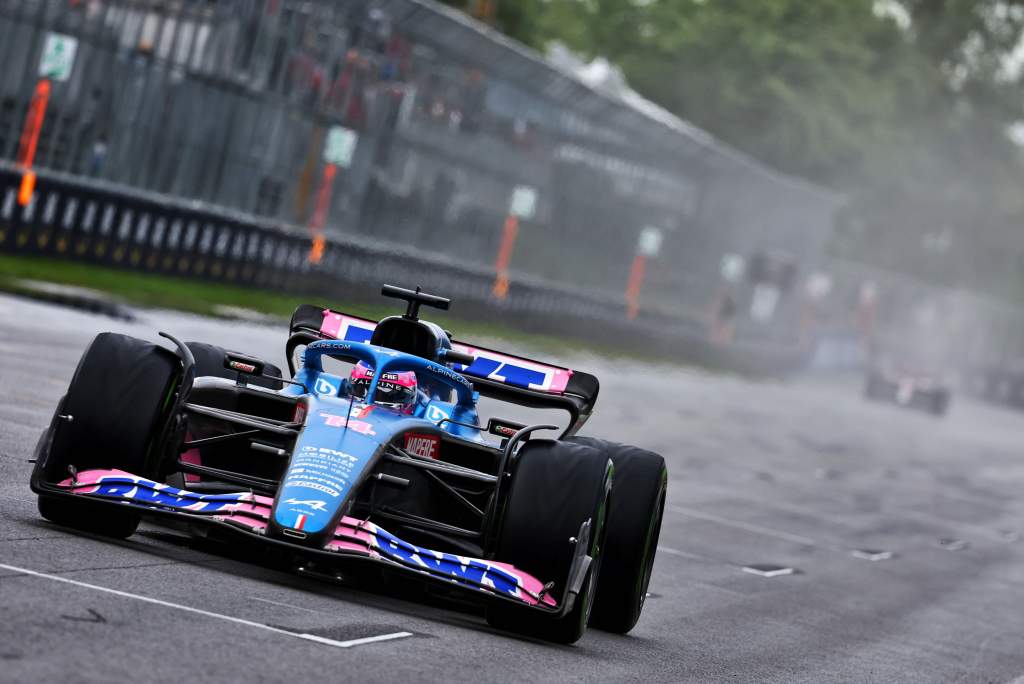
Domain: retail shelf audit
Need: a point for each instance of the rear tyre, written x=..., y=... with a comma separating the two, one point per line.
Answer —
x=874, y=387
x=556, y=487
x=939, y=403
x=210, y=361
x=117, y=400
x=631, y=536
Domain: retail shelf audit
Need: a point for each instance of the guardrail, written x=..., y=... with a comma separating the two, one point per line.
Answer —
x=114, y=226
x=120, y=227
x=233, y=103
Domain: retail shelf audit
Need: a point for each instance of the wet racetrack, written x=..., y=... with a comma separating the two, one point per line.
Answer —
x=904, y=533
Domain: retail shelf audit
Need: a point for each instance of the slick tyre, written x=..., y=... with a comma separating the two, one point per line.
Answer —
x=210, y=361
x=114, y=407
x=556, y=487
x=631, y=534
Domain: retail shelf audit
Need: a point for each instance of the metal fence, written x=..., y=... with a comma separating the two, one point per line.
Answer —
x=228, y=102
x=109, y=225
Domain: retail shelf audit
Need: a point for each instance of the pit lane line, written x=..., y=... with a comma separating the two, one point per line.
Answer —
x=197, y=611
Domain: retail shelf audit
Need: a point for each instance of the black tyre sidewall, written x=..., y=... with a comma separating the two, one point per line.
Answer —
x=556, y=486
x=117, y=401
x=631, y=537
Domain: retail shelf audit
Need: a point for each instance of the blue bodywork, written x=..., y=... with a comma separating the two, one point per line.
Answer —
x=343, y=438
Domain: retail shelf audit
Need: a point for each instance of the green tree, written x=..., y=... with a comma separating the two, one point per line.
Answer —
x=904, y=105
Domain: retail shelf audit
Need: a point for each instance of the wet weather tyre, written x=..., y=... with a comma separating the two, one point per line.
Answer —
x=555, y=488
x=939, y=403
x=874, y=387
x=117, y=402
x=210, y=361
x=631, y=535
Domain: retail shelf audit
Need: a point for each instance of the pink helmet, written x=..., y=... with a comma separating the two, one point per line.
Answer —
x=395, y=390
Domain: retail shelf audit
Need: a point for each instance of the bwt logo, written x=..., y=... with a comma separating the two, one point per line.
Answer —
x=325, y=386
x=436, y=415
x=470, y=570
x=174, y=498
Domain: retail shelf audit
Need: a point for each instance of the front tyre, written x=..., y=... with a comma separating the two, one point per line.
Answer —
x=633, y=528
x=117, y=402
x=556, y=487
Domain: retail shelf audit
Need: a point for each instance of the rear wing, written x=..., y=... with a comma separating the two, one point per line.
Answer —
x=494, y=374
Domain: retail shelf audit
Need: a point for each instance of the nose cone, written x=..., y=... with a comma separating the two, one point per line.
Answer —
x=329, y=460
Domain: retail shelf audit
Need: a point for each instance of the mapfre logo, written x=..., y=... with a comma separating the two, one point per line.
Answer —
x=425, y=446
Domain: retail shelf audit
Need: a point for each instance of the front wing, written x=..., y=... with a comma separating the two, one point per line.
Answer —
x=250, y=512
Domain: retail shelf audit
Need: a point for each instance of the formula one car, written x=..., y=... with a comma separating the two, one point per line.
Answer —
x=386, y=473
x=905, y=385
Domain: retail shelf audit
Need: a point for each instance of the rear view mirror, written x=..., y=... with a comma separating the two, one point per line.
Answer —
x=243, y=364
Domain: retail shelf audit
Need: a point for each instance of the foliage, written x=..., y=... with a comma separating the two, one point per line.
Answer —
x=903, y=104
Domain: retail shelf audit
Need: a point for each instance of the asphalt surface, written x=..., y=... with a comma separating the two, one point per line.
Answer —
x=904, y=533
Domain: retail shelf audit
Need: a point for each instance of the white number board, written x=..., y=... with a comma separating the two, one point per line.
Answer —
x=340, y=146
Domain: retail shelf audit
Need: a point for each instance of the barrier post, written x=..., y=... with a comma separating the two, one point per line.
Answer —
x=30, y=139
x=319, y=219
x=647, y=247
x=339, y=150
x=522, y=206
x=508, y=243
x=634, y=285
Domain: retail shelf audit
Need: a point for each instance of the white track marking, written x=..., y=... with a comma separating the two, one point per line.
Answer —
x=779, y=572
x=749, y=527
x=686, y=554
x=356, y=642
x=284, y=605
x=207, y=613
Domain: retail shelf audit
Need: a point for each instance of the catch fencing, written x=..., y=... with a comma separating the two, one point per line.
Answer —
x=224, y=109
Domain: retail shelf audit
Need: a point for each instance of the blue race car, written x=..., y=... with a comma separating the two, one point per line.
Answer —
x=387, y=471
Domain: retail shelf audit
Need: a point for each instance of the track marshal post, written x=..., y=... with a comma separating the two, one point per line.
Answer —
x=55, y=64
x=339, y=149
x=522, y=207
x=647, y=248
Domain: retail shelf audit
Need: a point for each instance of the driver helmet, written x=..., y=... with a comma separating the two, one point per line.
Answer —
x=394, y=391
